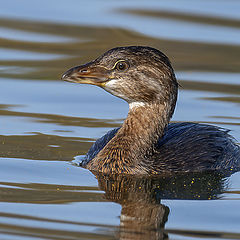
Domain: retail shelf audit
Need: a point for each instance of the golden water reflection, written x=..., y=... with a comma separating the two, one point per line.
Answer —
x=143, y=216
x=91, y=41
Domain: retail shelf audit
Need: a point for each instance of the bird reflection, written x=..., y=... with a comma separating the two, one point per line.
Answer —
x=142, y=215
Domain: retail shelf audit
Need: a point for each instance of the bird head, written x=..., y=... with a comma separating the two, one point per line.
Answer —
x=136, y=74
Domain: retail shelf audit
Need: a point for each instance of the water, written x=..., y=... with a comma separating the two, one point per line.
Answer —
x=46, y=122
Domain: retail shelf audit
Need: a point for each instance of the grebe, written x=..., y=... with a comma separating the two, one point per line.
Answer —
x=146, y=143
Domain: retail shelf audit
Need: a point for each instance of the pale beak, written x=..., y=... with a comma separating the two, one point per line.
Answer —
x=87, y=74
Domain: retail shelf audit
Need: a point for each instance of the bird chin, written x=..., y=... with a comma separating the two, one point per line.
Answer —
x=87, y=80
x=112, y=86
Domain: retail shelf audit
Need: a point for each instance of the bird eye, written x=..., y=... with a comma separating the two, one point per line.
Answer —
x=121, y=66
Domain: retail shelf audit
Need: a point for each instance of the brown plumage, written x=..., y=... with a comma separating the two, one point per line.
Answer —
x=146, y=143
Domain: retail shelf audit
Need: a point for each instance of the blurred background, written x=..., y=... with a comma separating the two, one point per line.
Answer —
x=45, y=122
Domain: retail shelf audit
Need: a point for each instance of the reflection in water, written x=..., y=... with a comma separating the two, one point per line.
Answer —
x=30, y=36
x=46, y=193
x=181, y=16
x=48, y=146
x=194, y=56
x=58, y=119
x=33, y=210
x=16, y=55
x=143, y=216
x=38, y=146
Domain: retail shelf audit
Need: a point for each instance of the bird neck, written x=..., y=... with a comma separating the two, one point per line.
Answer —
x=134, y=141
x=142, y=128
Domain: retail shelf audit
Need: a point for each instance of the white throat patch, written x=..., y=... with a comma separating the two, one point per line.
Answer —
x=133, y=105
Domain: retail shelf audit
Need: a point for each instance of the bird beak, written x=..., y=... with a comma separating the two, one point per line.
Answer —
x=87, y=74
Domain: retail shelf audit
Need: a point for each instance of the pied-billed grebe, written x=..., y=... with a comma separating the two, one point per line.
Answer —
x=146, y=143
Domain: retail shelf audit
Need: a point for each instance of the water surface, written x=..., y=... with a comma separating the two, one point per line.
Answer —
x=46, y=122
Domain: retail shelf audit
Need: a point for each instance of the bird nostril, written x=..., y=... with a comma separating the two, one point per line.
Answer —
x=84, y=70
